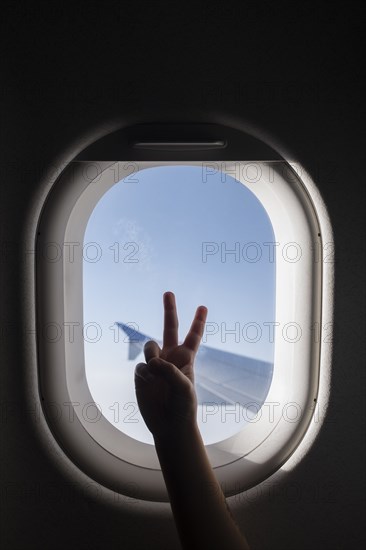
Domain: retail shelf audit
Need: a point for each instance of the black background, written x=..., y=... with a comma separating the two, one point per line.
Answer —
x=295, y=71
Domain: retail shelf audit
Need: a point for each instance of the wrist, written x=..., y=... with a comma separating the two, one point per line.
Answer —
x=185, y=432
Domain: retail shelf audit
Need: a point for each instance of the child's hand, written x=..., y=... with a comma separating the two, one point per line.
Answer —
x=165, y=383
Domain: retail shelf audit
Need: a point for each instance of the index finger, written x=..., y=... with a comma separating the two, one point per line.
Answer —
x=170, y=334
x=194, y=336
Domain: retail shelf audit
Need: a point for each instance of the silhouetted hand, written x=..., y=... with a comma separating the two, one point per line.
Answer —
x=167, y=400
x=165, y=383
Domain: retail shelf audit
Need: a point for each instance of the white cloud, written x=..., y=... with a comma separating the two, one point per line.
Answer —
x=136, y=244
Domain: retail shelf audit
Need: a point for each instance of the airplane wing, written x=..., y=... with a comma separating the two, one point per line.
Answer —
x=136, y=340
x=221, y=377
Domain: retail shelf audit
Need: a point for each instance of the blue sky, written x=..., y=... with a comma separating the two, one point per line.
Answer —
x=167, y=213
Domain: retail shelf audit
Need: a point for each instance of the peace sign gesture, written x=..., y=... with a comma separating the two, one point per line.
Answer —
x=165, y=383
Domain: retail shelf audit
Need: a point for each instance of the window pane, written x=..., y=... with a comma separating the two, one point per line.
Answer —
x=210, y=241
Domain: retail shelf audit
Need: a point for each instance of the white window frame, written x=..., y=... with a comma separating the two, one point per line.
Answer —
x=113, y=458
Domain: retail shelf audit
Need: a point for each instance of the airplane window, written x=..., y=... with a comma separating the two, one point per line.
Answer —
x=208, y=238
x=245, y=239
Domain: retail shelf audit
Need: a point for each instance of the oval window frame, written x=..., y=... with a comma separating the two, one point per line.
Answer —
x=240, y=461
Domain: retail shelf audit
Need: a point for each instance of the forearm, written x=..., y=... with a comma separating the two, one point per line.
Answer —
x=198, y=504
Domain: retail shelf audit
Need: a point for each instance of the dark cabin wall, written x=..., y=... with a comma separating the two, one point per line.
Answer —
x=67, y=73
